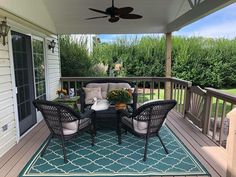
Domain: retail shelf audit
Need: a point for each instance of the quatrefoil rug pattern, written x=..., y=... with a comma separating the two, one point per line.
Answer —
x=107, y=158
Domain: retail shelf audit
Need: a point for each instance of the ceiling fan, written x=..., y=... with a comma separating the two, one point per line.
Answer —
x=116, y=13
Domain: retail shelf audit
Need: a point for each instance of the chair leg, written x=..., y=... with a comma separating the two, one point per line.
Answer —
x=45, y=147
x=94, y=124
x=119, y=138
x=64, y=149
x=93, y=134
x=125, y=132
x=166, y=150
x=118, y=129
x=145, y=150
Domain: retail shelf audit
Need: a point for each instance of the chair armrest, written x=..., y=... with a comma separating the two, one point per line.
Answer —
x=82, y=99
x=87, y=114
x=125, y=112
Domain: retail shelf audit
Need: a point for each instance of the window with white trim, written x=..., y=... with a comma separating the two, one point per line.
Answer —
x=39, y=69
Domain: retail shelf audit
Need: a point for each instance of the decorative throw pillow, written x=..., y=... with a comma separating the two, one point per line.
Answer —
x=90, y=93
x=104, y=88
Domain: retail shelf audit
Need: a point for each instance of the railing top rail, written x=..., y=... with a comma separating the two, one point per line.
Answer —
x=164, y=79
x=182, y=82
x=221, y=95
x=198, y=90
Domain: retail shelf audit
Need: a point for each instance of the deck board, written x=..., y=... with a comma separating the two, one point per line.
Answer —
x=182, y=136
x=15, y=149
x=207, y=148
x=201, y=146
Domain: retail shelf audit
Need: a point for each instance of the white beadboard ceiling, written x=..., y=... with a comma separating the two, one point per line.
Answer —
x=159, y=16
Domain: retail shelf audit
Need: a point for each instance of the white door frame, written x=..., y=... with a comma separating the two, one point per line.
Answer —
x=27, y=32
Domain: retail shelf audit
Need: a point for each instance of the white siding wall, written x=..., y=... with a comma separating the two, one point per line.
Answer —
x=53, y=70
x=7, y=116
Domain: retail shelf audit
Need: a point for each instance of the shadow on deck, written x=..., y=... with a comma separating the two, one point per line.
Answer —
x=207, y=152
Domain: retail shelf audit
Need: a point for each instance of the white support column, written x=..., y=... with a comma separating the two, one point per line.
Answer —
x=231, y=144
x=168, y=64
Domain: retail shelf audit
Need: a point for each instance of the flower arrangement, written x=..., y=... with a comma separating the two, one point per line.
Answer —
x=119, y=96
x=61, y=91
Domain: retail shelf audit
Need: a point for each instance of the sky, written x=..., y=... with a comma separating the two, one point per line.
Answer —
x=219, y=24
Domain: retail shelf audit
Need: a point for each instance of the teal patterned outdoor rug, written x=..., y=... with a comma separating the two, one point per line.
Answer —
x=107, y=158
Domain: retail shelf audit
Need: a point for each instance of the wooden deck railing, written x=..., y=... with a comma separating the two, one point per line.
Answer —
x=179, y=92
x=148, y=87
x=196, y=106
x=231, y=145
x=218, y=105
x=205, y=108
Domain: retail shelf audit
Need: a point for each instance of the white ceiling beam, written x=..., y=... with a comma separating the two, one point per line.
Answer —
x=201, y=10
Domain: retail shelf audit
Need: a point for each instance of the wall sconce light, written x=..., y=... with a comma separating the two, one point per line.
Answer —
x=4, y=29
x=52, y=45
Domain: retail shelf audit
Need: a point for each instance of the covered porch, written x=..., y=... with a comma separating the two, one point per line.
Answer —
x=186, y=121
x=199, y=118
x=201, y=146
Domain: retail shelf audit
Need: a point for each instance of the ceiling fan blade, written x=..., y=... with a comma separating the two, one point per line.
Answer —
x=114, y=19
x=125, y=10
x=99, y=11
x=131, y=16
x=96, y=17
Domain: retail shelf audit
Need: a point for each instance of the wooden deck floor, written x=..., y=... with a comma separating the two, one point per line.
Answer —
x=210, y=155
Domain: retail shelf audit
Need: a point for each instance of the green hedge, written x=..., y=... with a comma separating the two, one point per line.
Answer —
x=75, y=60
x=205, y=62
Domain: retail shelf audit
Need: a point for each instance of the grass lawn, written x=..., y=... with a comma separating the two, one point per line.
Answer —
x=229, y=91
x=146, y=97
x=228, y=106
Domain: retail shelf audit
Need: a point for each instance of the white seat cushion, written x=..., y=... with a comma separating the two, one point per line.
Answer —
x=70, y=125
x=139, y=126
x=68, y=131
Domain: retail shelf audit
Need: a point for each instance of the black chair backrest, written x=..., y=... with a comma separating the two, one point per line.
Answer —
x=55, y=114
x=154, y=113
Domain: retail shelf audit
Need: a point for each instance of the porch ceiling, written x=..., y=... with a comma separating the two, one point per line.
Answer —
x=68, y=16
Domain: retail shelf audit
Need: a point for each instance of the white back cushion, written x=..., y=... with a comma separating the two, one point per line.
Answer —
x=114, y=86
x=90, y=93
x=104, y=88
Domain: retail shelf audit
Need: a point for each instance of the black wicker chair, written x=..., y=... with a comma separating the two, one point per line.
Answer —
x=64, y=123
x=145, y=121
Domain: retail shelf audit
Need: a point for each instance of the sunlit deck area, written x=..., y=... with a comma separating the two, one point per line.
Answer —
x=202, y=123
x=206, y=151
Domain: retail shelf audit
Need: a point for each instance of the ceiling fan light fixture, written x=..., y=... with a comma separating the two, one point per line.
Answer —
x=114, y=19
x=116, y=13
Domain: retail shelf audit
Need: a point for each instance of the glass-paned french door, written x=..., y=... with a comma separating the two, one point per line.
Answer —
x=39, y=69
x=23, y=67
